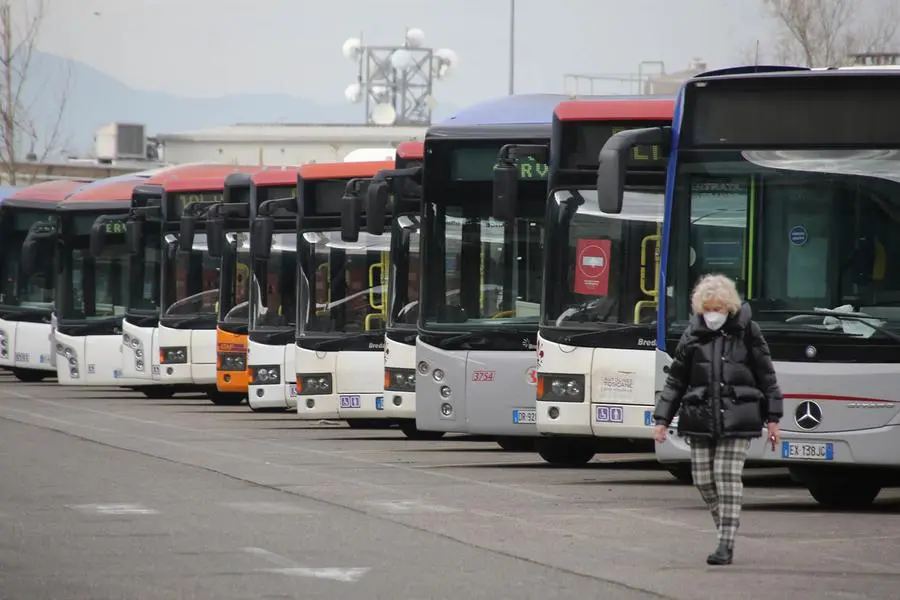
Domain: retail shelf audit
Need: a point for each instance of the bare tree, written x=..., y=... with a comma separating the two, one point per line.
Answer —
x=22, y=135
x=825, y=33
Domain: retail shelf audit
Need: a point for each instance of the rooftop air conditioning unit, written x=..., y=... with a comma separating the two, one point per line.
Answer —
x=118, y=141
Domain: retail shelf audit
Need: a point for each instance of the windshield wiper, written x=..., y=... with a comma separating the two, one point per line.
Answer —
x=481, y=334
x=190, y=319
x=325, y=344
x=859, y=317
x=608, y=329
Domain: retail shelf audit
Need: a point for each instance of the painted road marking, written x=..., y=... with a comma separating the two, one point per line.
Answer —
x=115, y=509
x=411, y=506
x=288, y=567
x=268, y=508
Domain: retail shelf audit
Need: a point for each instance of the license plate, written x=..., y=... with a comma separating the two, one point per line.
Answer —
x=524, y=417
x=807, y=450
x=350, y=402
x=606, y=413
x=379, y=403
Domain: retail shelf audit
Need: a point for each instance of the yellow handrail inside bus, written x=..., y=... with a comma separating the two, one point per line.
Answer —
x=372, y=284
x=653, y=293
x=640, y=305
x=645, y=243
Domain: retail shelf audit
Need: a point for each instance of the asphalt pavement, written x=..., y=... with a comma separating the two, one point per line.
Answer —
x=109, y=495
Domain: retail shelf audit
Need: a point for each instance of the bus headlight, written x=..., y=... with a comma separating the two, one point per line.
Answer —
x=70, y=357
x=560, y=388
x=233, y=361
x=312, y=384
x=174, y=355
x=265, y=374
x=400, y=380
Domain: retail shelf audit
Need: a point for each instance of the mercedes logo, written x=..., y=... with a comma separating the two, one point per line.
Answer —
x=811, y=352
x=808, y=415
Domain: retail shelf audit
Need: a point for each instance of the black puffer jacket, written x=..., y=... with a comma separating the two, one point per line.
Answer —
x=721, y=383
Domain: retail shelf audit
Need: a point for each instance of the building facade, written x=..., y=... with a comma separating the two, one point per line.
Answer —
x=280, y=144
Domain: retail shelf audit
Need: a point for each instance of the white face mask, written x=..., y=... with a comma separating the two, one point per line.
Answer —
x=714, y=320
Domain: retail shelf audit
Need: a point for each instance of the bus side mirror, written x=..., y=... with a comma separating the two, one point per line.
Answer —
x=261, y=237
x=351, y=209
x=97, y=237
x=614, y=159
x=377, y=197
x=134, y=231
x=215, y=236
x=29, y=256
x=506, y=190
x=186, y=233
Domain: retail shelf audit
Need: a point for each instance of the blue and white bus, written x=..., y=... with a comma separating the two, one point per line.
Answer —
x=795, y=174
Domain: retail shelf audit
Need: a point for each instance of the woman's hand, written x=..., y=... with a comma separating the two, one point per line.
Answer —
x=659, y=433
x=774, y=436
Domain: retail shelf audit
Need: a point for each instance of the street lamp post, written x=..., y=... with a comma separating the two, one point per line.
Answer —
x=396, y=81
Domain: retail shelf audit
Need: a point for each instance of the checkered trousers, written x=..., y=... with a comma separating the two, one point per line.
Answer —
x=717, y=468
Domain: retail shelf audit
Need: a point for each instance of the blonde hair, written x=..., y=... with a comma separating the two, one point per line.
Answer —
x=715, y=287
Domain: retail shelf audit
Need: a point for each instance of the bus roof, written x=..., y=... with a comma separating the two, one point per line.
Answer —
x=45, y=194
x=276, y=176
x=343, y=170
x=102, y=193
x=631, y=109
x=199, y=170
x=412, y=150
x=522, y=116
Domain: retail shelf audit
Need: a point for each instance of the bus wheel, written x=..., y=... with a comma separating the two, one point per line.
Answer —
x=681, y=472
x=565, y=452
x=516, y=444
x=157, y=392
x=30, y=375
x=225, y=398
x=409, y=429
x=840, y=496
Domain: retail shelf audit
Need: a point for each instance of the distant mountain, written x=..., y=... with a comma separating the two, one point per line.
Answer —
x=95, y=99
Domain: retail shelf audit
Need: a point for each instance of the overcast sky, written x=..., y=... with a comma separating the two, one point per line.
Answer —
x=215, y=47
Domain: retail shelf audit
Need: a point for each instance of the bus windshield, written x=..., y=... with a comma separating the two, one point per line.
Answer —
x=37, y=289
x=346, y=277
x=802, y=232
x=607, y=271
x=193, y=278
x=487, y=273
x=403, y=291
x=274, y=293
x=146, y=271
x=98, y=286
x=236, y=307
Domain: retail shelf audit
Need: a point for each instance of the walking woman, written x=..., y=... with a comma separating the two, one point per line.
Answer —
x=722, y=385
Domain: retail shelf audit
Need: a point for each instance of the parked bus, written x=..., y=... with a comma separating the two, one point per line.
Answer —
x=595, y=355
x=398, y=191
x=144, y=232
x=190, y=286
x=228, y=237
x=792, y=170
x=480, y=295
x=140, y=343
x=342, y=300
x=27, y=300
x=273, y=292
x=93, y=281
